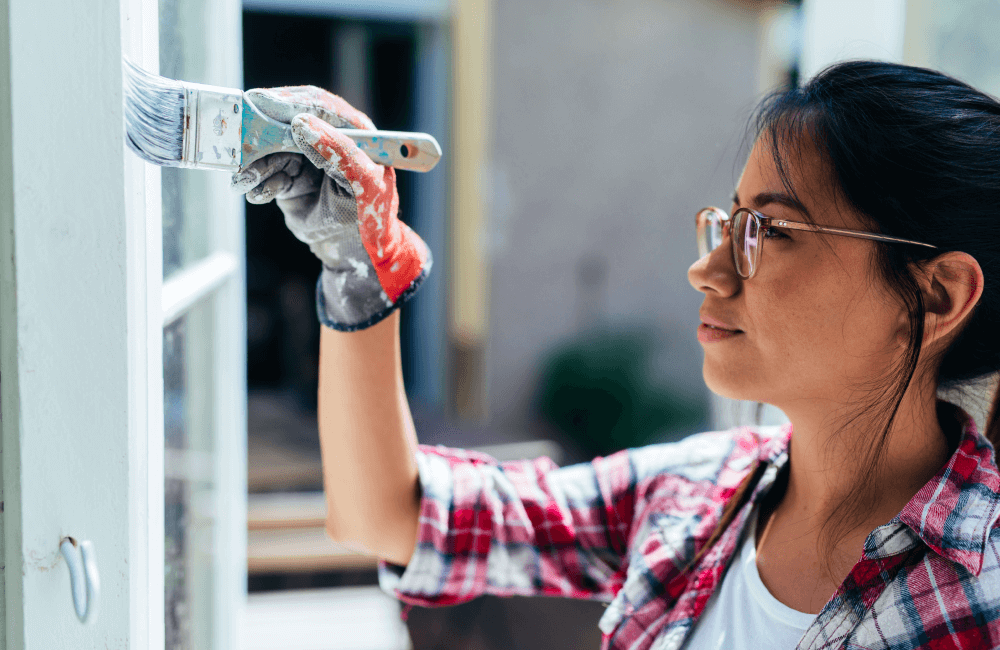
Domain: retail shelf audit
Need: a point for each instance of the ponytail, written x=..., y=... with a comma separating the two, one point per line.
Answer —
x=733, y=505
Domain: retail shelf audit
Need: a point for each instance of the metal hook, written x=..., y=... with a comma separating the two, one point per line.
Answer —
x=83, y=578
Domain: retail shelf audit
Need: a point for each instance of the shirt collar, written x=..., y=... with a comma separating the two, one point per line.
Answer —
x=773, y=448
x=955, y=511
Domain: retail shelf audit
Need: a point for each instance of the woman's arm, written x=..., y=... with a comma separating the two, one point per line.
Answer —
x=368, y=441
x=346, y=207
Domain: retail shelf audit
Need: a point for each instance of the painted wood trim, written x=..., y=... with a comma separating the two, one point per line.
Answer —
x=75, y=459
x=10, y=591
x=144, y=253
x=194, y=283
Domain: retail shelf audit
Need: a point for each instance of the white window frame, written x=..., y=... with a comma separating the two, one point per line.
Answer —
x=82, y=312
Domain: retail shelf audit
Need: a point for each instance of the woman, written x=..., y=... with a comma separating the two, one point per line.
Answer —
x=857, y=274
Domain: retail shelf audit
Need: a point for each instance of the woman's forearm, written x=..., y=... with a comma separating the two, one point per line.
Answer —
x=368, y=441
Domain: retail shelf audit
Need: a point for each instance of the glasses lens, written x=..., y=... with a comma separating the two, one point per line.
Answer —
x=709, y=223
x=746, y=229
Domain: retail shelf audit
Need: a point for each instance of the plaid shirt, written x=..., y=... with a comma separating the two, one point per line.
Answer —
x=621, y=528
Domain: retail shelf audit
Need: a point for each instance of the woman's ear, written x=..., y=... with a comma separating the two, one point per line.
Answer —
x=951, y=284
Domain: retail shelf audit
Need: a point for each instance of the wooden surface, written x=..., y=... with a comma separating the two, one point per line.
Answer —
x=286, y=534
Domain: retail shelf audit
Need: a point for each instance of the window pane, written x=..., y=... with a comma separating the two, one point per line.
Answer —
x=205, y=523
x=185, y=191
x=185, y=237
x=192, y=532
x=190, y=485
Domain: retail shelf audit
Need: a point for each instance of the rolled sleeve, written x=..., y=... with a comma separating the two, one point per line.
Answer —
x=516, y=528
x=424, y=580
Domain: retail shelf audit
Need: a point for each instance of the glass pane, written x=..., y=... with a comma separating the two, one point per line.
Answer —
x=190, y=485
x=185, y=238
x=185, y=232
x=192, y=530
x=204, y=543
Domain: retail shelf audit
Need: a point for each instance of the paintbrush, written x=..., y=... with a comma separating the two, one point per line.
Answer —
x=179, y=124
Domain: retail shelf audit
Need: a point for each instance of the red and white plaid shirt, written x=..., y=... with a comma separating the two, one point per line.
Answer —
x=621, y=528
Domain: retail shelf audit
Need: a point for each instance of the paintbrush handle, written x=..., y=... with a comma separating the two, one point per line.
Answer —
x=400, y=149
x=417, y=152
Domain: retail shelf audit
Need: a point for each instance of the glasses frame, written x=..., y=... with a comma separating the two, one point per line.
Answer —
x=702, y=220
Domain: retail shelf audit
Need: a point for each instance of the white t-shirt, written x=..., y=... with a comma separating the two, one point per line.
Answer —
x=742, y=614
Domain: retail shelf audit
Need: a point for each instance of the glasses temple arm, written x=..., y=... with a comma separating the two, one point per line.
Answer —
x=792, y=225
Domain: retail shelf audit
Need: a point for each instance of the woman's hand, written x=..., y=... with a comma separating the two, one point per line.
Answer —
x=342, y=204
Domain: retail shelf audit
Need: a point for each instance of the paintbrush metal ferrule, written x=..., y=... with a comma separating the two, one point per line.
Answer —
x=262, y=135
x=213, y=127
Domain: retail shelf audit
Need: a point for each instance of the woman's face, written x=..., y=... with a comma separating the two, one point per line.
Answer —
x=816, y=323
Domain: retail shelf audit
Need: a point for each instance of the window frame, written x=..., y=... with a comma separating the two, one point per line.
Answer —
x=81, y=328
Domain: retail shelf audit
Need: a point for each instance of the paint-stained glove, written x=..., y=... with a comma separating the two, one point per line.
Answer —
x=340, y=203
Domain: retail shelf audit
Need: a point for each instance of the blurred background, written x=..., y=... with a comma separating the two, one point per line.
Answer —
x=580, y=137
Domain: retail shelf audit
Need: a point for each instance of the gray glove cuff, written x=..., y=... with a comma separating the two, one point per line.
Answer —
x=337, y=312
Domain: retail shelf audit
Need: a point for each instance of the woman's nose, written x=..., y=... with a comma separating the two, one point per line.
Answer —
x=716, y=272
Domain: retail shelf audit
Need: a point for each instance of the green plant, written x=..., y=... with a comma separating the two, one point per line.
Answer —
x=598, y=390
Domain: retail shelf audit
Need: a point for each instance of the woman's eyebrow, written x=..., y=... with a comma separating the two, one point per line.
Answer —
x=766, y=198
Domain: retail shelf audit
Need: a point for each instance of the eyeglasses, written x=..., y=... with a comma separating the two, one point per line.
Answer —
x=746, y=226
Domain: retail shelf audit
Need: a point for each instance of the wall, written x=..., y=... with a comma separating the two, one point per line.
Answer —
x=614, y=123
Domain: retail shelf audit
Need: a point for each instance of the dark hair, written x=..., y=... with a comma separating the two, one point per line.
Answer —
x=917, y=154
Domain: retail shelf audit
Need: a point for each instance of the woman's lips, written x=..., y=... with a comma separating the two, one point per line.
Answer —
x=708, y=334
x=715, y=322
x=712, y=329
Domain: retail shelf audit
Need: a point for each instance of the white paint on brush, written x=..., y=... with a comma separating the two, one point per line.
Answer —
x=154, y=115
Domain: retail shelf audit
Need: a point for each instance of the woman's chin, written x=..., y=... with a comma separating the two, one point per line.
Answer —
x=732, y=385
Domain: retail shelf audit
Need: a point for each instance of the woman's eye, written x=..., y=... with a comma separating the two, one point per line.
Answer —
x=774, y=233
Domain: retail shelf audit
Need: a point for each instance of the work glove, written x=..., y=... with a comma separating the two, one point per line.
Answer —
x=342, y=204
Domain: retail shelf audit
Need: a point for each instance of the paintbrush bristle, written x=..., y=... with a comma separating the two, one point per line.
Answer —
x=154, y=115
